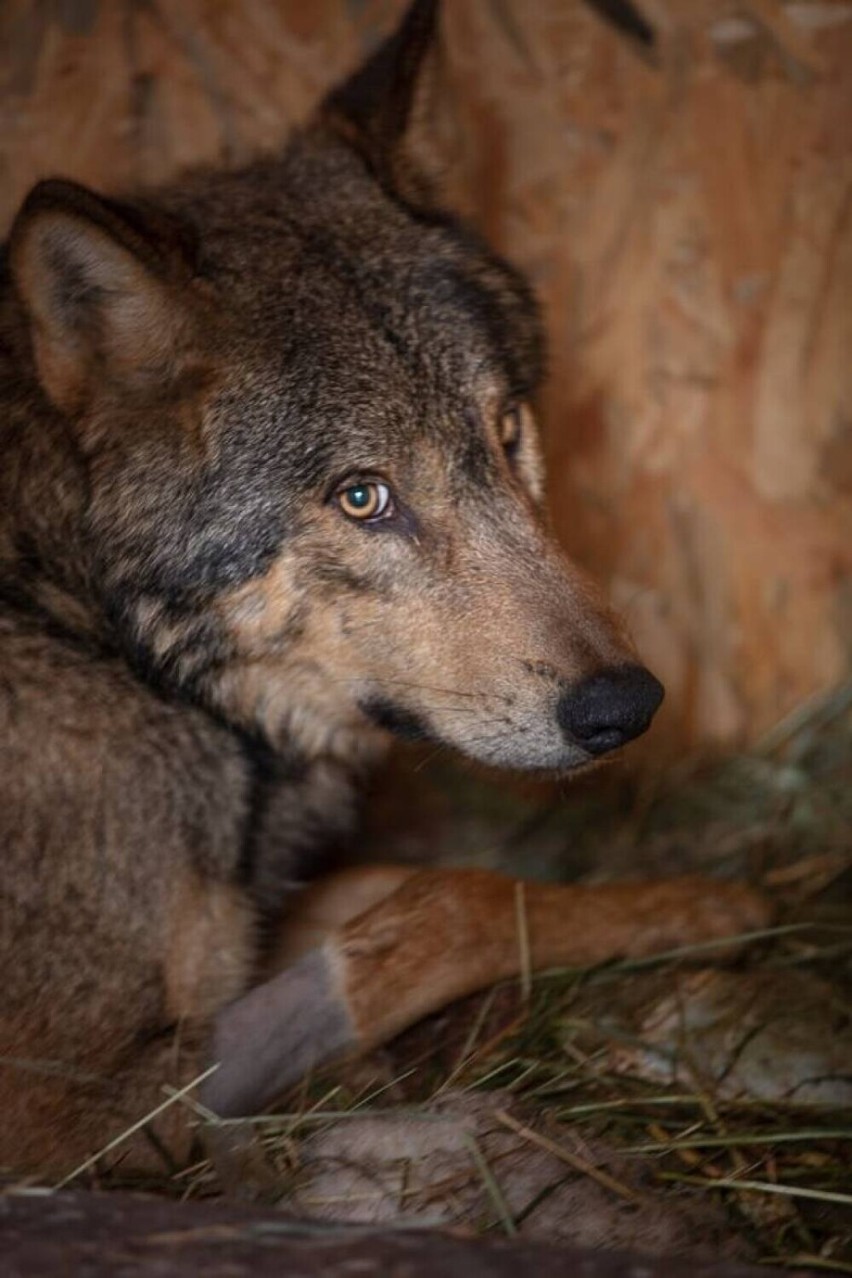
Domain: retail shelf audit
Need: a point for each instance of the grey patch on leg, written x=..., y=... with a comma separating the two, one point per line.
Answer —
x=272, y=1036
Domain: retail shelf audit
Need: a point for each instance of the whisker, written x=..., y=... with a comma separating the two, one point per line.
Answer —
x=450, y=692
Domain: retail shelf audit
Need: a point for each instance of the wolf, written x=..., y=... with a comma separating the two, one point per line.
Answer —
x=271, y=494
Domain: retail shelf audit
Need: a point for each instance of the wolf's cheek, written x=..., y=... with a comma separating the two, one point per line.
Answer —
x=508, y=654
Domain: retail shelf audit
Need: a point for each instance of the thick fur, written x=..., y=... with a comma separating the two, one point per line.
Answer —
x=199, y=651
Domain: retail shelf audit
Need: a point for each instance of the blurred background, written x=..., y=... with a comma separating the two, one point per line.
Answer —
x=676, y=180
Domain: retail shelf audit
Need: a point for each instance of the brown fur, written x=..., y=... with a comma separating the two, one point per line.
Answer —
x=199, y=652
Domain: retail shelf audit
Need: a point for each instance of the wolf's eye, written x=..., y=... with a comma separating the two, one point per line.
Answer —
x=510, y=430
x=367, y=501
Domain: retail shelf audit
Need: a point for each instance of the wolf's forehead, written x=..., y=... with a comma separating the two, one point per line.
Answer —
x=390, y=362
x=422, y=314
x=404, y=294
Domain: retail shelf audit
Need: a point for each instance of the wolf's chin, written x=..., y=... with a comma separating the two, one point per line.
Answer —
x=516, y=753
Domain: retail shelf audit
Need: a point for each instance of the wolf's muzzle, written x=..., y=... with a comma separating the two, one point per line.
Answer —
x=610, y=708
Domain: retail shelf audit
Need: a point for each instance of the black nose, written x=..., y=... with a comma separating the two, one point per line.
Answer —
x=609, y=708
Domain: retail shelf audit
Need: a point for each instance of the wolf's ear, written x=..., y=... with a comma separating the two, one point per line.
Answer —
x=101, y=285
x=373, y=108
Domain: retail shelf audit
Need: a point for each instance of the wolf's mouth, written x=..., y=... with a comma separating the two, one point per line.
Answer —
x=592, y=719
x=403, y=723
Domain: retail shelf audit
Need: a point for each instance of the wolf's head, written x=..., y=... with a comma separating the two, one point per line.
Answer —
x=301, y=396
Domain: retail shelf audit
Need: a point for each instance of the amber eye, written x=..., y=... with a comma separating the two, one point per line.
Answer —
x=365, y=501
x=510, y=430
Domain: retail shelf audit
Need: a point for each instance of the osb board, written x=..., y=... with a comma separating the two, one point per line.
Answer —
x=685, y=217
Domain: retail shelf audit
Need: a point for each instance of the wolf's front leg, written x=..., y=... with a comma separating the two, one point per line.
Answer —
x=401, y=944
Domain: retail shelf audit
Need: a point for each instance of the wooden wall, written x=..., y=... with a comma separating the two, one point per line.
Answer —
x=686, y=214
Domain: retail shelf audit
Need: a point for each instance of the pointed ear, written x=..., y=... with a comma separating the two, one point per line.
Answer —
x=101, y=284
x=373, y=108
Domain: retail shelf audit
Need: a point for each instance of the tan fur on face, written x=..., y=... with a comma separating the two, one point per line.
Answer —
x=476, y=622
x=257, y=614
x=288, y=675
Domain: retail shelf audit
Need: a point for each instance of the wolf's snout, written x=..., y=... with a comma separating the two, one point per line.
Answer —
x=610, y=708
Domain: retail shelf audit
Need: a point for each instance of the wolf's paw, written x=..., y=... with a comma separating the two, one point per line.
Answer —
x=679, y=913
